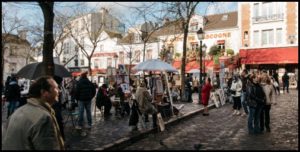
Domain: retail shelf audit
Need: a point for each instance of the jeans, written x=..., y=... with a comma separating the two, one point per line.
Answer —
x=265, y=117
x=87, y=106
x=251, y=119
x=257, y=113
x=243, y=102
x=237, y=103
x=12, y=106
x=286, y=85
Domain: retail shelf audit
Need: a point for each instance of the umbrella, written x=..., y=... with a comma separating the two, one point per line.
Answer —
x=155, y=65
x=34, y=70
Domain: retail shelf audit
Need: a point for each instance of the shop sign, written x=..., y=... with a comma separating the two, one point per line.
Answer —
x=218, y=35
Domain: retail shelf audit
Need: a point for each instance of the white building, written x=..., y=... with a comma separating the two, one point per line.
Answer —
x=99, y=30
x=269, y=35
x=16, y=53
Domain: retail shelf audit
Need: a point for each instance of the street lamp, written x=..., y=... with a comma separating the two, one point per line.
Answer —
x=200, y=35
x=204, y=47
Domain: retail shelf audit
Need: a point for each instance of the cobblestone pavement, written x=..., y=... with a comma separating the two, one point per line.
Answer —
x=223, y=131
x=104, y=132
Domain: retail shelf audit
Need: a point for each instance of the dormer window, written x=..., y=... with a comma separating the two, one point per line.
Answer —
x=225, y=17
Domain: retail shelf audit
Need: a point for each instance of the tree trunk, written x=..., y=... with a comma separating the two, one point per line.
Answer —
x=48, y=63
x=185, y=34
x=1, y=68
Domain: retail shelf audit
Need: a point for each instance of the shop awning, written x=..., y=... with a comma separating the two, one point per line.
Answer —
x=283, y=55
x=193, y=64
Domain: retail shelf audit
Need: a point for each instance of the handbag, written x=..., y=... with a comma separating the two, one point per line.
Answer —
x=160, y=122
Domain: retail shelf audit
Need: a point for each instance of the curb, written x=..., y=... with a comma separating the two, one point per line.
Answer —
x=120, y=143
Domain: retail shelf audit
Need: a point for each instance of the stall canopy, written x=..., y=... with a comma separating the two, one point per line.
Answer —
x=193, y=65
x=283, y=55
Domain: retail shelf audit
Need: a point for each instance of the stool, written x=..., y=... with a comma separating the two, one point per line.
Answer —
x=74, y=115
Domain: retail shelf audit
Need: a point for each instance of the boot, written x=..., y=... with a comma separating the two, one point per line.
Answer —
x=154, y=120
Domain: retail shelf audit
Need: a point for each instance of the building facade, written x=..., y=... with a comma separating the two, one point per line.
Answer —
x=96, y=32
x=16, y=53
x=269, y=35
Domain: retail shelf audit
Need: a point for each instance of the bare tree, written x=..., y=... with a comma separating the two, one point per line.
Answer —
x=89, y=30
x=184, y=12
x=47, y=8
x=9, y=25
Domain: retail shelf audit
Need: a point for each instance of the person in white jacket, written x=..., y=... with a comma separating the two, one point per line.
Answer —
x=270, y=100
x=236, y=90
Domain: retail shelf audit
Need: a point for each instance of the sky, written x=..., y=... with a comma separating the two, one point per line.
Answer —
x=31, y=13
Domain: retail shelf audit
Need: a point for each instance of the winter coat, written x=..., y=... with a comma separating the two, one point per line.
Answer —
x=270, y=93
x=236, y=88
x=205, y=93
x=85, y=90
x=33, y=127
x=256, y=93
x=144, y=100
x=285, y=78
x=13, y=92
x=102, y=98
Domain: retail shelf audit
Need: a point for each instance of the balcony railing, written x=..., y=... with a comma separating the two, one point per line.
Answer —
x=273, y=17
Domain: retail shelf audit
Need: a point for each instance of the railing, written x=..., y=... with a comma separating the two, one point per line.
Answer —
x=273, y=17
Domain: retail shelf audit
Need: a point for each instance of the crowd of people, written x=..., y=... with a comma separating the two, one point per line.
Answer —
x=39, y=123
x=255, y=94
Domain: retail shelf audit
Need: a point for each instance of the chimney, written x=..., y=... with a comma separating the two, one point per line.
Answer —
x=166, y=20
x=22, y=34
x=103, y=10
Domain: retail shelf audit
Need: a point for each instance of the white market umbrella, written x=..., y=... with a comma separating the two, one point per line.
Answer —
x=155, y=65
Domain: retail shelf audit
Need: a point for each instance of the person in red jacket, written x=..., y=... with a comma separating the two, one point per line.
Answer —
x=205, y=93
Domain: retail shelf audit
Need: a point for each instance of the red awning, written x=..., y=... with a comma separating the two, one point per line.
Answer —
x=193, y=64
x=75, y=74
x=281, y=55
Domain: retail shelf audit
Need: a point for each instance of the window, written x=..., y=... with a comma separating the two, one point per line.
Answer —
x=121, y=57
x=267, y=9
x=109, y=62
x=225, y=17
x=82, y=24
x=267, y=37
x=76, y=49
x=137, y=38
x=137, y=56
x=246, y=35
x=66, y=48
x=82, y=62
x=149, y=54
x=96, y=61
x=256, y=38
x=256, y=10
x=279, y=36
x=101, y=48
x=279, y=7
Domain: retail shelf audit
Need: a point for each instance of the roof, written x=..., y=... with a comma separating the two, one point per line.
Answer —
x=170, y=28
x=113, y=34
x=129, y=39
x=216, y=22
x=14, y=39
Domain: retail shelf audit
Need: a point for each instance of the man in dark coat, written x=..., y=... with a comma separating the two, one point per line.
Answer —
x=85, y=92
x=13, y=95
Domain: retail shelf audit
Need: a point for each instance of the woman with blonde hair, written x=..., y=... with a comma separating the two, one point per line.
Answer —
x=270, y=99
